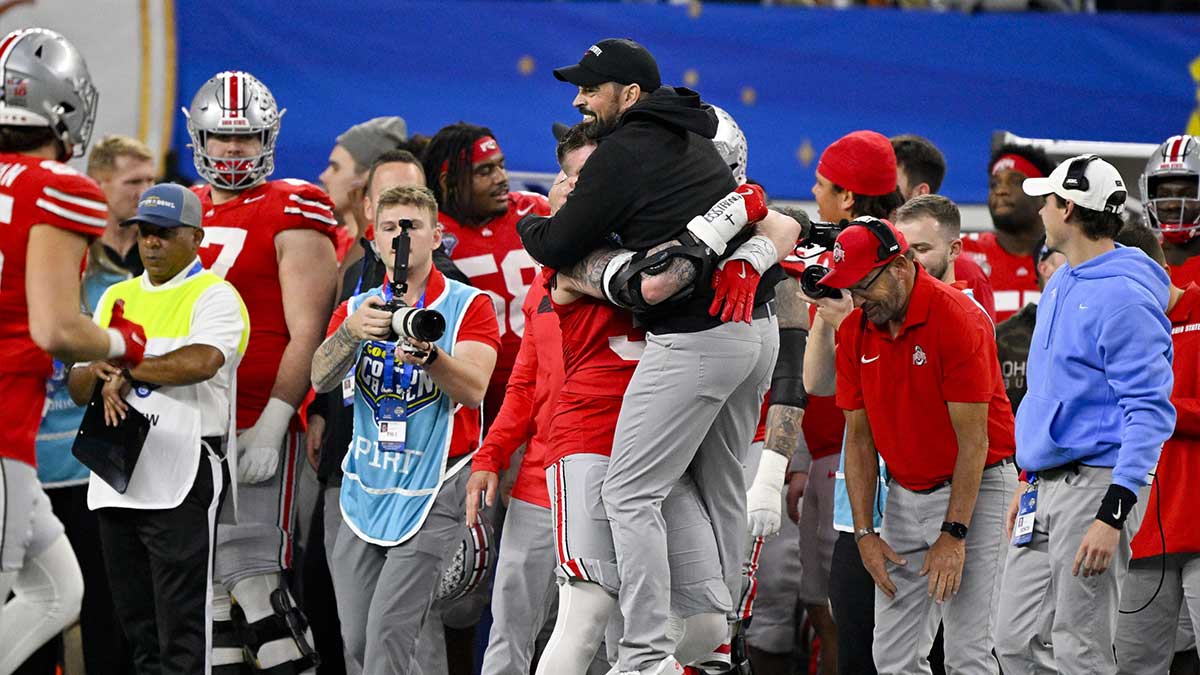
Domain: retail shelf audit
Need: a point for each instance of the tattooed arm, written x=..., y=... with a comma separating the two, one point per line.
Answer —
x=336, y=354
x=587, y=276
x=786, y=413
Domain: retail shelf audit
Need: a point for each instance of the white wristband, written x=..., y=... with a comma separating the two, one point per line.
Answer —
x=759, y=251
x=116, y=344
x=275, y=417
x=772, y=469
x=724, y=221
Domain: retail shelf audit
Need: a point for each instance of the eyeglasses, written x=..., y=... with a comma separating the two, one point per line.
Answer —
x=862, y=289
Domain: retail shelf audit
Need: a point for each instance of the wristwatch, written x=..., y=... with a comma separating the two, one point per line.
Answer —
x=956, y=530
x=862, y=533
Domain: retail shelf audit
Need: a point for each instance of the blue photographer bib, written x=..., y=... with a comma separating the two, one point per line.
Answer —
x=386, y=495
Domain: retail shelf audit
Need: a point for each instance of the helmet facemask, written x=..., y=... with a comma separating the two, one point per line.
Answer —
x=233, y=104
x=1176, y=217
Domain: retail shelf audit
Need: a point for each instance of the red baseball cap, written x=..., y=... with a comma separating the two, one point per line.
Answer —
x=859, y=250
x=863, y=162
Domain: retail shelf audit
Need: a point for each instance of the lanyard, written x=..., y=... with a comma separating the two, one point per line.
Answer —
x=389, y=358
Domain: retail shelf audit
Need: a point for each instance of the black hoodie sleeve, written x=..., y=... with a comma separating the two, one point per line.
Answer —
x=606, y=195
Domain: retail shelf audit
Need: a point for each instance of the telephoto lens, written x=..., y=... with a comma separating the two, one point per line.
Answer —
x=416, y=323
x=810, y=283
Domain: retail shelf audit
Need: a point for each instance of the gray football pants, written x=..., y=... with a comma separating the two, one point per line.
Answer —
x=905, y=626
x=524, y=592
x=384, y=594
x=693, y=404
x=1051, y=621
x=1146, y=641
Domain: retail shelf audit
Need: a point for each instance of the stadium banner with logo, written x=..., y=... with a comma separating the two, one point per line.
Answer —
x=795, y=79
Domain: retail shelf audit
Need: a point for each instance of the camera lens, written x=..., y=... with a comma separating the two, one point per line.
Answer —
x=425, y=325
x=810, y=283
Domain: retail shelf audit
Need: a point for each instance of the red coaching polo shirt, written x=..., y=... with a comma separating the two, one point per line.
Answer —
x=946, y=351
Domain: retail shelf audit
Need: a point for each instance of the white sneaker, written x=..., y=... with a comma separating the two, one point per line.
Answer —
x=668, y=666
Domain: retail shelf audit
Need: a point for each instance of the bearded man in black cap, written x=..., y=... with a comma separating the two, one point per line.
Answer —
x=638, y=210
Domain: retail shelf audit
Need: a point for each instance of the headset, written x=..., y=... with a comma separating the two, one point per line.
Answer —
x=888, y=244
x=1077, y=180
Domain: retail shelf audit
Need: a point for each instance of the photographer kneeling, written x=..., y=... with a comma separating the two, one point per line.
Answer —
x=416, y=425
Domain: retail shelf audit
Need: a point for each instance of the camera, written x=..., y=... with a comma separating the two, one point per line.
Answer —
x=414, y=323
x=823, y=235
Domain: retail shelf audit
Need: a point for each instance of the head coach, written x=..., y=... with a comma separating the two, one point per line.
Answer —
x=695, y=397
x=919, y=381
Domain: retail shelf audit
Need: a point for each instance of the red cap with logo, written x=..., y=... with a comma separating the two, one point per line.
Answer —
x=863, y=246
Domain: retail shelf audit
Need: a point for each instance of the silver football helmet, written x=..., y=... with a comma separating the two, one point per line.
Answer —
x=731, y=143
x=1175, y=216
x=471, y=560
x=233, y=102
x=46, y=84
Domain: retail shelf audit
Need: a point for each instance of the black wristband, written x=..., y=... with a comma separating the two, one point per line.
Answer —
x=1116, y=505
x=433, y=356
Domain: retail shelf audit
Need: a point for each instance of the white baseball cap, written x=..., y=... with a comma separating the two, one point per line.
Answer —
x=1086, y=180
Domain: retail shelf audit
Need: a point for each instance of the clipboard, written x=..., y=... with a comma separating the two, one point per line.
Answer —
x=110, y=452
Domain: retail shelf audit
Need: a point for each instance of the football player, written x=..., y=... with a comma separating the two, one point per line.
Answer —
x=49, y=212
x=274, y=241
x=464, y=167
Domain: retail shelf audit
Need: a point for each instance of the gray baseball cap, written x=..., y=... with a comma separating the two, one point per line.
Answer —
x=367, y=141
x=167, y=205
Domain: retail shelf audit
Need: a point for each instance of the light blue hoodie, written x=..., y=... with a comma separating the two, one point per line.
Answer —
x=1100, y=369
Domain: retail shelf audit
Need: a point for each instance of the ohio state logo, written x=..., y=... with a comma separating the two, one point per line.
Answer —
x=839, y=253
x=919, y=356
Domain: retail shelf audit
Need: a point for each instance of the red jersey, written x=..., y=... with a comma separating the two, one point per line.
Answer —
x=945, y=352
x=492, y=257
x=1187, y=273
x=1013, y=277
x=1173, y=492
x=33, y=191
x=968, y=272
x=529, y=400
x=239, y=245
x=601, y=349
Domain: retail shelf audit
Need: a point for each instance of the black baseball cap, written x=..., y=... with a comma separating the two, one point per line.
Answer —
x=613, y=60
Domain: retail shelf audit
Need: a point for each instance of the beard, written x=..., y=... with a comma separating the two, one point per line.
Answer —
x=1016, y=220
x=937, y=269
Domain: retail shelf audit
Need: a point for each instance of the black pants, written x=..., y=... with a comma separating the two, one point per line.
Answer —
x=104, y=647
x=852, y=598
x=159, y=569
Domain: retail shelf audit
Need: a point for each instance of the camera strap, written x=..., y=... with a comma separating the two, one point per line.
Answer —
x=392, y=416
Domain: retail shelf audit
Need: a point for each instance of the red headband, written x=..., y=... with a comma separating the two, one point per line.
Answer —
x=485, y=148
x=1011, y=162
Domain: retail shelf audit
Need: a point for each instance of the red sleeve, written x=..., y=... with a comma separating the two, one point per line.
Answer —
x=479, y=323
x=514, y=424
x=849, y=382
x=969, y=359
x=339, y=317
x=69, y=201
x=969, y=271
x=306, y=207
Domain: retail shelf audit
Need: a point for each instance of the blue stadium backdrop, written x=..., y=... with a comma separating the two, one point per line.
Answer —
x=795, y=79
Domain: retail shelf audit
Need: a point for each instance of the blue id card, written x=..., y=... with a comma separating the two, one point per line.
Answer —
x=393, y=423
x=1026, y=511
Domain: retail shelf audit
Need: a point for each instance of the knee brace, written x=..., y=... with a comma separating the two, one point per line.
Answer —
x=583, y=611
x=272, y=631
x=227, y=657
x=702, y=637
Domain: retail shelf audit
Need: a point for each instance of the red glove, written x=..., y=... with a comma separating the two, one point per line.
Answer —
x=735, y=282
x=133, y=335
x=756, y=202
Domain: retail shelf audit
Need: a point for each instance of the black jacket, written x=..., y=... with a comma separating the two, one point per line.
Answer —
x=646, y=180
